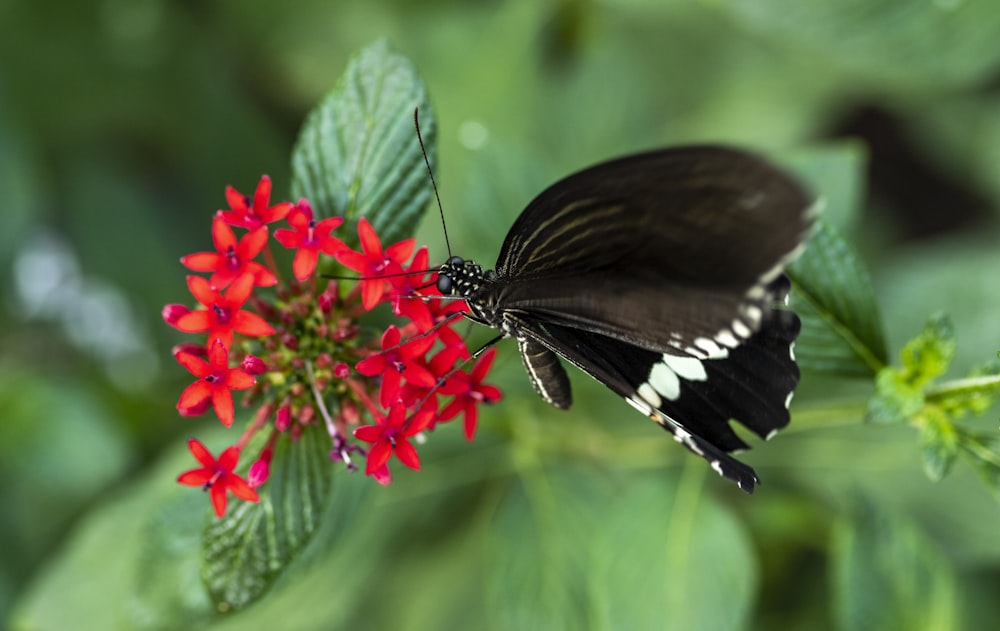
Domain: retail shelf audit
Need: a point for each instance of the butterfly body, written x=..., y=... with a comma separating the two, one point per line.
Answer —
x=660, y=275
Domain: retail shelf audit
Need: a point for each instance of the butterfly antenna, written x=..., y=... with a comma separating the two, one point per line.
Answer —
x=423, y=150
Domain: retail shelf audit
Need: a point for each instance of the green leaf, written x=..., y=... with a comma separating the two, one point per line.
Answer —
x=910, y=43
x=833, y=295
x=249, y=548
x=574, y=550
x=169, y=593
x=984, y=454
x=973, y=395
x=888, y=576
x=939, y=441
x=895, y=400
x=358, y=153
x=929, y=354
x=899, y=392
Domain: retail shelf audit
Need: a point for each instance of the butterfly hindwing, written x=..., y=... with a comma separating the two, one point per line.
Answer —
x=694, y=398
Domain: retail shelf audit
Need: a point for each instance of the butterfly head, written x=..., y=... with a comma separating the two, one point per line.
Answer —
x=458, y=277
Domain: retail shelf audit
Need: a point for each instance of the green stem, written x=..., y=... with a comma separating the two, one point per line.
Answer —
x=967, y=387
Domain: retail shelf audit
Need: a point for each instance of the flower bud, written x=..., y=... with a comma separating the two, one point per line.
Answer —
x=254, y=365
x=172, y=313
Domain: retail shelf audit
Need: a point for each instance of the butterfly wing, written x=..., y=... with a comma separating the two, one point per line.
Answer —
x=667, y=250
x=693, y=398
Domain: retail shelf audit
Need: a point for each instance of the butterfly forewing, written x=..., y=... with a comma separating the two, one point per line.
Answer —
x=660, y=249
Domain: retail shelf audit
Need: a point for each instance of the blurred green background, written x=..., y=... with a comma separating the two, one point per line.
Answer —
x=122, y=121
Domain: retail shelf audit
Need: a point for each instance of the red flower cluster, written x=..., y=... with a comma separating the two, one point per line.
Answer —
x=293, y=349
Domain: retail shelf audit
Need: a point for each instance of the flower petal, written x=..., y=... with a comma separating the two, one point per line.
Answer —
x=239, y=291
x=193, y=322
x=201, y=452
x=378, y=456
x=237, y=379
x=222, y=401
x=203, y=261
x=252, y=243
x=368, y=433
x=222, y=235
x=371, y=293
x=471, y=418
x=304, y=263
x=229, y=457
x=202, y=290
x=251, y=324
x=193, y=395
x=369, y=239
x=195, y=477
x=407, y=454
x=218, y=494
x=288, y=238
x=195, y=365
x=262, y=196
x=239, y=487
x=401, y=251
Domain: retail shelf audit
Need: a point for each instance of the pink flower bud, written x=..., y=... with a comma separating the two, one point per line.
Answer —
x=254, y=365
x=258, y=474
x=283, y=418
x=196, y=410
x=198, y=350
x=172, y=313
x=341, y=371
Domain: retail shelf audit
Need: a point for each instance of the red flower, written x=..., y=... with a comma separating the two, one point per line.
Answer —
x=253, y=216
x=470, y=391
x=310, y=238
x=222, y=315
x=374, y=262
x=442, y=310
x=216, y=379
x=390, y=435
x=439, y=366
x=232, y=258
x=216, y=476
x=406, y=292
x=395, y=361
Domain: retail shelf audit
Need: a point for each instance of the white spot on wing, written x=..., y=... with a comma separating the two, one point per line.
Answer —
x=712, y=350
x=741, y=329
x=725, y=337
x=649, y=395
x=689, y=368
x=665, y=381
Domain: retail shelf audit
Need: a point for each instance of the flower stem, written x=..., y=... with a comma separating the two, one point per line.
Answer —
x=970, y=386
x=331, y=427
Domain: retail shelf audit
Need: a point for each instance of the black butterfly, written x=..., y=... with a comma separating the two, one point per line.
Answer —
x=661, y=276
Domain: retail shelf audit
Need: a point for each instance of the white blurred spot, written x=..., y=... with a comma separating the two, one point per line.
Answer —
x=94, y=314
x=473, y=135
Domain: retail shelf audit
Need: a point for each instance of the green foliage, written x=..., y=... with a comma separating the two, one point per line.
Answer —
x=905, y=394
x=607, y=533
x=833, y=295
x=599, y=567
x=888, y=576
x=920, y=44
x=249, y=548
x=358, y=155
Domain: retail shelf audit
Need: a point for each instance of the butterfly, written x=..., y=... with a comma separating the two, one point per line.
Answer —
x=660, y=275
